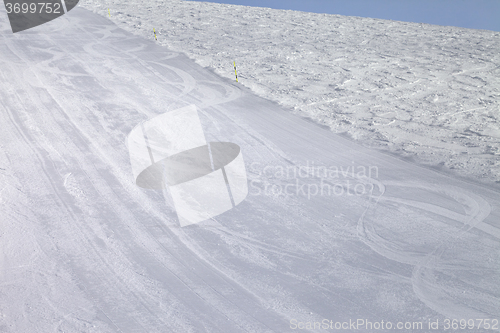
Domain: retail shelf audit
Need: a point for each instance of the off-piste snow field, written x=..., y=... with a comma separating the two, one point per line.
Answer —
x=338, y=232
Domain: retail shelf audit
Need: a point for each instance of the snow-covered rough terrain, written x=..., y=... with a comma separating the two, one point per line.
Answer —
x=427, y=92
x=331, y=230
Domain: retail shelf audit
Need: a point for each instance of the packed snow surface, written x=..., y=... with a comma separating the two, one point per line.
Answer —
x=331, y=229
x=428, y=92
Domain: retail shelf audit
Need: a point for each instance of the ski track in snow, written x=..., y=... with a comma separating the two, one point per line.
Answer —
x=423, y=91
x=83, y=249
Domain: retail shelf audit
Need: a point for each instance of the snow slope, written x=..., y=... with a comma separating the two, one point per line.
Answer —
x=422, y=91
x=82, y=249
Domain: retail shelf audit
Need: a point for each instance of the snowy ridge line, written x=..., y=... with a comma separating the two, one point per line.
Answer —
x=419, y=90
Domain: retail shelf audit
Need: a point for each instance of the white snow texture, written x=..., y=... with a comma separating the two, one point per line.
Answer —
x=428, y=92
x=331, y=229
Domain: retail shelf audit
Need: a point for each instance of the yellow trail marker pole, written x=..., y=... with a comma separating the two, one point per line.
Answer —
x=155, y=33
x=235, y=73
x=109, y=13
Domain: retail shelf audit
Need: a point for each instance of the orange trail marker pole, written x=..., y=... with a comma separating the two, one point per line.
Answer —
x=155, y=33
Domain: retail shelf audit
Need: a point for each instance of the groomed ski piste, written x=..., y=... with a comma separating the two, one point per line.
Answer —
x=334, y=234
